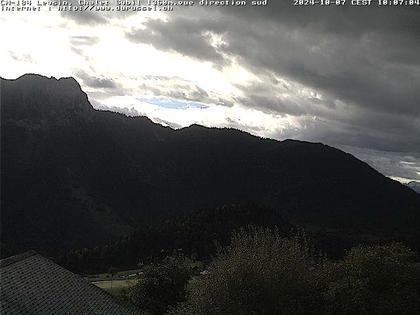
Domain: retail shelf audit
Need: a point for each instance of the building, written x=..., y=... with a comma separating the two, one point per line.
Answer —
x=33, y=284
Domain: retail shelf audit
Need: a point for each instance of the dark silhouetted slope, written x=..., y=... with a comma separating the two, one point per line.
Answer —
x=199, y=233
x=72, y=175
x=414, y=186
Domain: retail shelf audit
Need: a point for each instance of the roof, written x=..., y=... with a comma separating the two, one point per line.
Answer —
x=33, y=284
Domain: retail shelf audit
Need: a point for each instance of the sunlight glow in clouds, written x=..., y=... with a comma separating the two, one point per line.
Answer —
x=211, y=116
x=279, y=78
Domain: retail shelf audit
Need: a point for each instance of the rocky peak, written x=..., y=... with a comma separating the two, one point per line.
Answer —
x=38, y=97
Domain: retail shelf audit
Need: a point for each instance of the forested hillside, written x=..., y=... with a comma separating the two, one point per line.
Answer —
x=73, y=176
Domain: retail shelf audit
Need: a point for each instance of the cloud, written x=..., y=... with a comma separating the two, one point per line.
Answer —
x=182, y=36
x=360, y=64
x=406, y=167
x=91, y=15
x=96, y=82
x=345, y=76
x=84, y=40
x=130, y=112
x=22, y=57
x=84, y=17
x=89, y=18
x=178, y=88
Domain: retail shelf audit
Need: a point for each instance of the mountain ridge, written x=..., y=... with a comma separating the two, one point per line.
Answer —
x=73, y=175
x=414, y=185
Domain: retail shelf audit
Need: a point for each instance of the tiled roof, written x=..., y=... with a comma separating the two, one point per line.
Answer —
x=32, y=284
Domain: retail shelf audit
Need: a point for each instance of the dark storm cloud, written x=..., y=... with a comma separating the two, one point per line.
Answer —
x=389, y=163
x=366, y=58
x=362, y=61
x=358, y=134
x=96, y=82
x=275, y=98
x=371, y=69
x=179, y=35
x=178, y=88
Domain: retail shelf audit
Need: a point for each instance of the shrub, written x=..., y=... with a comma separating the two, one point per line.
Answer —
x=163, y=284
x=259, y=273
x=379, y=279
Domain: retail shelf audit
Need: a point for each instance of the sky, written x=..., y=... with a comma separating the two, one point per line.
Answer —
x=345, y=76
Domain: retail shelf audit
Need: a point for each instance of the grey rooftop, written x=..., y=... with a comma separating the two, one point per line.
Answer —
x=33, y=284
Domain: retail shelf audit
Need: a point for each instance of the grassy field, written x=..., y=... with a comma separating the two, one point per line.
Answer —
x=115, y=287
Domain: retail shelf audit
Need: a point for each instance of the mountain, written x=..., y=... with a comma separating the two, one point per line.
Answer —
x=199, y=233
x=76, y=176
x=414, y=186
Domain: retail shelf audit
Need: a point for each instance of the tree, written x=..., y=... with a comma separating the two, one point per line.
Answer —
x=259, y=273
x=377, y=279
x=163, y=284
